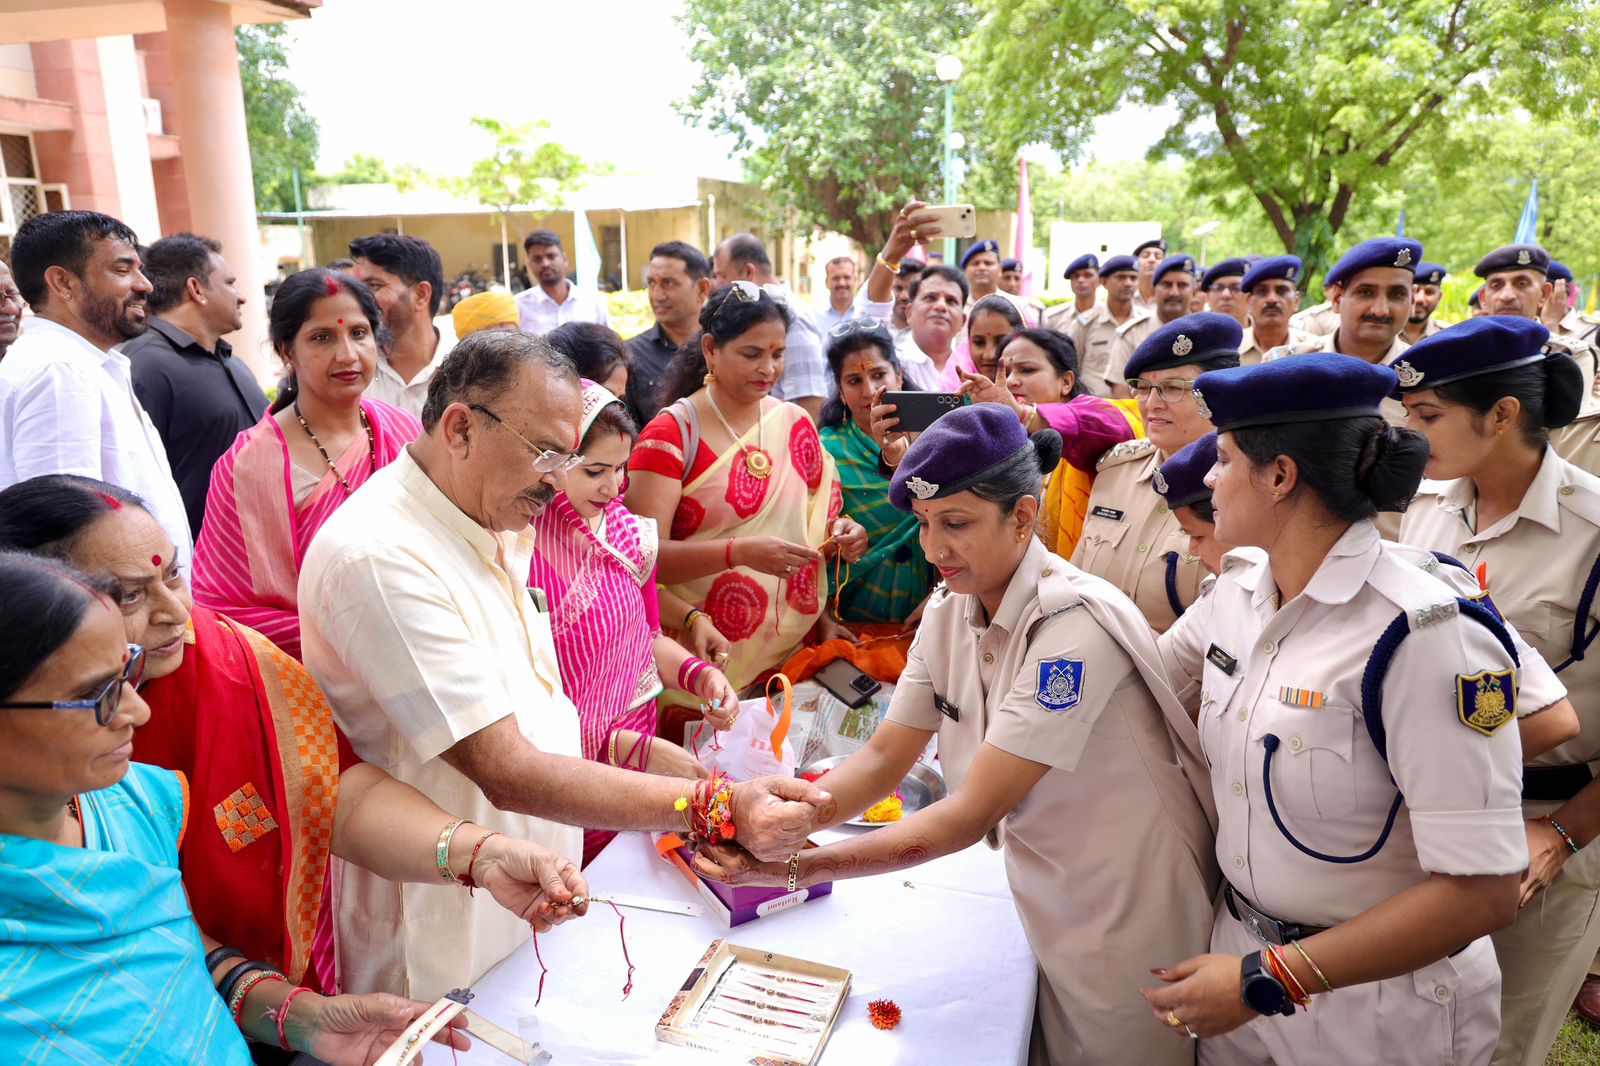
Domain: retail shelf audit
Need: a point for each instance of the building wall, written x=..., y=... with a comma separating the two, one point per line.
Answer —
x=121, y=75
x=82, y=158
x=16, y=72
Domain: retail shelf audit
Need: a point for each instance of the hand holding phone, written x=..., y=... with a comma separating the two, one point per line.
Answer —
x=919, y=410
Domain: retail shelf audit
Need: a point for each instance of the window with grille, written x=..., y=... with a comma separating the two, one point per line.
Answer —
x=25, y=195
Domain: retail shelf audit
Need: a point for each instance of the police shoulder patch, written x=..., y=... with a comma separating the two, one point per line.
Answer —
x=1486, y=701
x=1060, y=684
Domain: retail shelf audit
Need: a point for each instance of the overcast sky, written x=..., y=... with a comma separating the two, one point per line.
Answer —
x=400, y=79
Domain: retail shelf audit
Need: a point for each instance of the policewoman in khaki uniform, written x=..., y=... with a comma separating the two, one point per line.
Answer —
x=1130, y=536
x=1484, y=393
x=1356, y=716
x=1058, y=738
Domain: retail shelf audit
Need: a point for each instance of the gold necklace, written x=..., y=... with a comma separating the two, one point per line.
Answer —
x=756, y=462
x=372, y=447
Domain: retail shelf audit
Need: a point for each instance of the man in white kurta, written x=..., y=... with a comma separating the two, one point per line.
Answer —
x=417, y=620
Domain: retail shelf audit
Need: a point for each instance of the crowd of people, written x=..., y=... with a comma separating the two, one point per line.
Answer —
x=1255, y=635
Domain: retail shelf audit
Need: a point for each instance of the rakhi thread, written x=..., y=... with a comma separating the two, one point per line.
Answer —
x=622, y=935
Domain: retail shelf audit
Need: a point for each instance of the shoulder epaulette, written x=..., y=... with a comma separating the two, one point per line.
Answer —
x=1127, y=451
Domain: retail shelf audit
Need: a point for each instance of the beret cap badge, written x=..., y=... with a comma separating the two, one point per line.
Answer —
x=1290, y=273
x=1160, y=482
x=1403, y=258
x=1409, y=375
x=1200, y=403
x=921, y=489
x=1523, y=258
x=1182, y=346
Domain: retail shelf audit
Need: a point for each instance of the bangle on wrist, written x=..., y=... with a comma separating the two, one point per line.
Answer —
x=794, y=872
x=893, y=268
x=283, y=1013
x=219, y=956
x=1327, y=984
x=441, y=854
x=1565, y=836
x=242, y=990
x=611, y=749
x=727, y=551
x=694, y=615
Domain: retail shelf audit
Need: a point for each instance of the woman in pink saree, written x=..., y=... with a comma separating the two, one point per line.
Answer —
x=285, y=475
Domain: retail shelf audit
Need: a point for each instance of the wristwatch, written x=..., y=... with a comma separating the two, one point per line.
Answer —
x=1259, y=990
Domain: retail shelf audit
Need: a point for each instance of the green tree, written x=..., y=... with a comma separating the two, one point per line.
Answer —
x=1304, y=107
x=523, y=169
x=837, y=104
x=282, y=134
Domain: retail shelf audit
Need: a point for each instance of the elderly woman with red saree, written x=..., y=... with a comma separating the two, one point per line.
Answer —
x=274, y=787
x=284, y=476
x=743, y=484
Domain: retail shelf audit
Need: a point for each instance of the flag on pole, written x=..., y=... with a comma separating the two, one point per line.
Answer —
x=1589, y=310
x=1529, y=222
x=1022, y=240
x=586, y=252
x=1400, y=228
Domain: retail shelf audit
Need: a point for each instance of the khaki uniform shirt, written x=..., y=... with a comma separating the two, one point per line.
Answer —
x=419, y=625
x=1429, y=328
x=1318, y=321
x=1251, y=350
x=1092, y=333
x=1393, y=410
x=1031, y=310
x=1295, y=674
x=1579, y=326
x=1536, y=561
x=1067, y=675
x=1132, y=539
x=1126, y=341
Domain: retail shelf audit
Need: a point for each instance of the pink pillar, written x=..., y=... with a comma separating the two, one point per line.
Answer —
x=216, y=154
x=172, y=191
x=81, y=158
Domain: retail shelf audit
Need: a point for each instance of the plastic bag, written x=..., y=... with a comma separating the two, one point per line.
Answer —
x=759, y=744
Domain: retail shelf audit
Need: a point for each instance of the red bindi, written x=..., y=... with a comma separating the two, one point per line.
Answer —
x=341, y=322
x=155, y=560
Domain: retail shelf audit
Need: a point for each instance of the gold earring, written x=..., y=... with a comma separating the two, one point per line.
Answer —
x=710, y=378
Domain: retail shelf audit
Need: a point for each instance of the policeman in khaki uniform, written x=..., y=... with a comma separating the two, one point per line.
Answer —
x=1320, y=319
x=1130, y=536
x=1083, y=274
x=1059, y=739
x=1354, y=714
x=1148, y=255
x=1271, y=296
x=1174, y=285
x=1425, y=294
x=1093, y=332
x=1373, y=281
x=1568, y=322
x=1538, y=560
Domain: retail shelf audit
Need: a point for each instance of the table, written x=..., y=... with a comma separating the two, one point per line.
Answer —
x=942, y=940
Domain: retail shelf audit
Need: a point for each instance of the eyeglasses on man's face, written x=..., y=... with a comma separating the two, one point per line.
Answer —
x=105, y=703
x=544, y=460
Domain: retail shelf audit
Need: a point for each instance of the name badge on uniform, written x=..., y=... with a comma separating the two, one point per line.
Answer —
x=946, y=708
x=1107, y=512
x=540, y=602
x=1222, y=660
x=1060, y=684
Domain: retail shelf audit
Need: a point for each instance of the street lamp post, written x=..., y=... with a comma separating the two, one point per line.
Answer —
x=948, y=70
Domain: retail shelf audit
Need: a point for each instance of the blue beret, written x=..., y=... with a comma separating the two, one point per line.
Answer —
x=1083, y=262
x=1318, y=387
x=1430, y=274
x=1180, y=261
x=1398, y=252
x=1559, y=272
x=1156, y=243
x=1010, y=264
x=978, y=249
x=1191, y=339
x=1181, y=480
x=1467, y=349
x=1119, y=264
x=960, y=449
x=1273, y=268
x=1513, y=257
x=1472, y=301
x=1226, y=269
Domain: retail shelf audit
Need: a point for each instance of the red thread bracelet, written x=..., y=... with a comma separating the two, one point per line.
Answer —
x=727, y=552
x=283, y=1013
x=467, y=880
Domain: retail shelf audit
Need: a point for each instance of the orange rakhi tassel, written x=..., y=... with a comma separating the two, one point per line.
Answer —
x=885, y=1014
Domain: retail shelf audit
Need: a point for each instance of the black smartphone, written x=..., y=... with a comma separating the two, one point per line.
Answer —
x=919, y=410
x=849, y=685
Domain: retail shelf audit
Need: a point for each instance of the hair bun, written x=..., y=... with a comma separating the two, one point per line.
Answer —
x=1047, y=446
x=1563, y=389
x=1390, y=467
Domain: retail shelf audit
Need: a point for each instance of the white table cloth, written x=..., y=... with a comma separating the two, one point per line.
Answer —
x=942, y=940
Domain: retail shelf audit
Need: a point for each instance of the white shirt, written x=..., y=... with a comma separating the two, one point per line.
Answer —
x=66, y=407
x=540, y=314
x=389, y=387
x=920, y=372
x=418, y=624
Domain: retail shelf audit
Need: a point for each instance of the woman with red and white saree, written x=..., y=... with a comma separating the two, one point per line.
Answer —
x=288, y=473
x=743, y=483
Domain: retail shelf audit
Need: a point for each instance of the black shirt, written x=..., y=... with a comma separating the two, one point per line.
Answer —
x=648, y=356
x=200, y=402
